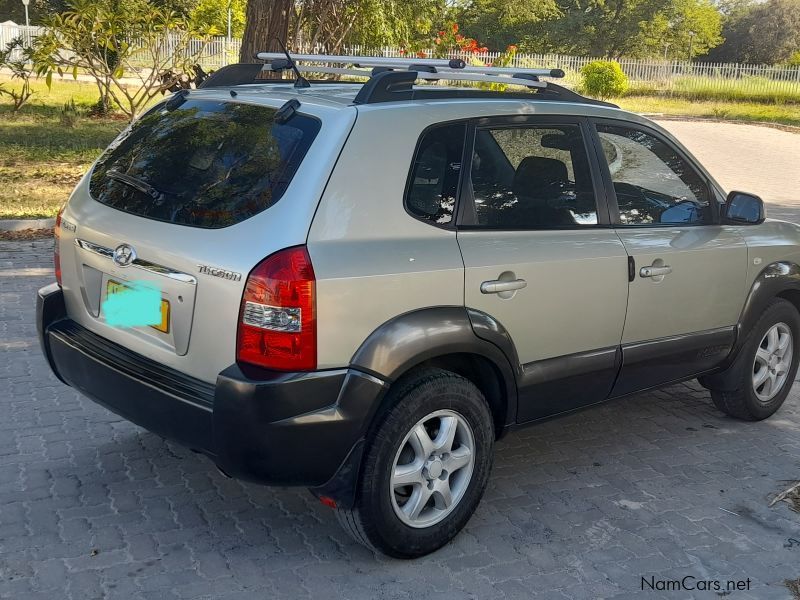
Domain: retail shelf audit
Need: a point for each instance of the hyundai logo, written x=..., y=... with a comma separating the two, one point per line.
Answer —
x=123, y=255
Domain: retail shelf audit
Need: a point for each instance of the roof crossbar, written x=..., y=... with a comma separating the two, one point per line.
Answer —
x=433, y=75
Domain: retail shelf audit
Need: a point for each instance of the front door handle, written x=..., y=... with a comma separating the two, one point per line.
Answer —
x=655, y=271
x=498, y=286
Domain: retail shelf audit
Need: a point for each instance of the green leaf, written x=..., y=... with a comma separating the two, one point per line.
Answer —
x=49, y=80
x=75, y=72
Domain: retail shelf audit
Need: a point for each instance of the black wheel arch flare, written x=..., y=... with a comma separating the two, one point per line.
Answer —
x=429, y=334
x=779, y=279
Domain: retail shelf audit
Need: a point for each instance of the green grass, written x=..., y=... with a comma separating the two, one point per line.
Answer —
x=787, y=114
x=744, y=89
x=42, y=159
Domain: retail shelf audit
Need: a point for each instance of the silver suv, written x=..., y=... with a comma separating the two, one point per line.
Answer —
x=358, y=288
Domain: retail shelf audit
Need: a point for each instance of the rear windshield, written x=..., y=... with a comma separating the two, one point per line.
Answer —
x=202, y=163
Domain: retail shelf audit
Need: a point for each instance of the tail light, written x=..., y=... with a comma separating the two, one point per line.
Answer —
x=277, y=321
x=56, y=243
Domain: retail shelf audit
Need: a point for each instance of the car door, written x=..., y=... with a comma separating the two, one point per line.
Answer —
x=687, y=278
x=541, y=257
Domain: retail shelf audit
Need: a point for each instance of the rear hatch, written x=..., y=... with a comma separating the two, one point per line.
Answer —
x=184, y=203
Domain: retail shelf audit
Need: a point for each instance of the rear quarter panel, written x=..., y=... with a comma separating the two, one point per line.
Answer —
x=373, y=261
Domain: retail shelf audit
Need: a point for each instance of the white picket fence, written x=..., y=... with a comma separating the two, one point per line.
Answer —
x=658, y=75
x=11, y=32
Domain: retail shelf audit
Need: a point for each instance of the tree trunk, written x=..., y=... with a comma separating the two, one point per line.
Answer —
x=264, y=21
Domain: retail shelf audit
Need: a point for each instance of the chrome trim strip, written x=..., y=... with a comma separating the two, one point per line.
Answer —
x=97, y=249
x=145, y=265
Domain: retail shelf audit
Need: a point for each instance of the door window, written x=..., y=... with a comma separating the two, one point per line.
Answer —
x=654, y=185
x=535, y=177
x=435, y=172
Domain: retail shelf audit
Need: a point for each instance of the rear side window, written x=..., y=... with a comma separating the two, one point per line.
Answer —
x=532, y=177
x=202, y=163
x=434, y=175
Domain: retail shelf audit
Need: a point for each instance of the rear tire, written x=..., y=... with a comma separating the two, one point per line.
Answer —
x=758, y=381
x=425, y=467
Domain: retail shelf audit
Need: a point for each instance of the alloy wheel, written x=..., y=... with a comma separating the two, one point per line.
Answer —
x=772, y=362
x=432, y=468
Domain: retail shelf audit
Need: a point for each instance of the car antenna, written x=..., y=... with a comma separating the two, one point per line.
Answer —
x=300, y=81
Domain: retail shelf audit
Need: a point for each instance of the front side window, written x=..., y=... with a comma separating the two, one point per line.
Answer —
x=434, y=175
x=654, y=185
x=535, y=177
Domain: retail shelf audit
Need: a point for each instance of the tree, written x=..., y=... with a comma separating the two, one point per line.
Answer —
x=684, y=29
x=396, y=22
x=12, y=10
x=331, y=24
x=111, y=40
x=761, y=33
x=266, y=21
x=214, y=14
x=503, y=22
x=640, y=28
x=16, y=58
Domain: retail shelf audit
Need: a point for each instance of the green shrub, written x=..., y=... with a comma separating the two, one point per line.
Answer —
x=68, y=115
x=794, y=59
x=604, y=79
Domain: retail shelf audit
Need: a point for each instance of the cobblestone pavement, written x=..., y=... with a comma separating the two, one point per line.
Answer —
x=659, y=486
x=734, y=153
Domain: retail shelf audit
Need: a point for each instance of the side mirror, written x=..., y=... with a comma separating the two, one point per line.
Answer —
x=742, y=208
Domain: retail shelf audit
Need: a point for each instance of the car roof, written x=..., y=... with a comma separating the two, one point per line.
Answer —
x=338, y=95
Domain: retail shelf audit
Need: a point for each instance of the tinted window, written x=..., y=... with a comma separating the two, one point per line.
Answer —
x=532, y=178
x=654, y=185
x=434, y=174
x=202, y=163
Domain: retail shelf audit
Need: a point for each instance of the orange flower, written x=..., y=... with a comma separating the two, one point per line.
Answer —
x=441, y=33
x=455, y=27
x=421, y=54
x=483, y=49
x=402, y=51
x=511, y=48
x=459, y=38
x=437, y=41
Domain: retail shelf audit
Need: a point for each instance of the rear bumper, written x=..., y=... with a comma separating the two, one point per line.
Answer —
x=269, y=427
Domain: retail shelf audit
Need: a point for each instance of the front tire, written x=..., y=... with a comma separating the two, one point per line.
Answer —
x=425, y=466
x=758, y=381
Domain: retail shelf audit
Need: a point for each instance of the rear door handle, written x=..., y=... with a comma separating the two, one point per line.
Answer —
x=655, y=271
x=498, y=286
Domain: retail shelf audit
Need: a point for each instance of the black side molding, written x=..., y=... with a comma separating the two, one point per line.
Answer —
x=658, y=362
x=565, y=383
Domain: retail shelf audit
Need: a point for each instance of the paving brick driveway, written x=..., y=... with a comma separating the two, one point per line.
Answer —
x=659, y=485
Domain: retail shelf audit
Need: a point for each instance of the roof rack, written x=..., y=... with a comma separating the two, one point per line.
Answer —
x=426, y=68
x=392, y=79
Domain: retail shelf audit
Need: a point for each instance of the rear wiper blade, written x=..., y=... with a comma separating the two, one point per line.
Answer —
x=135, y=183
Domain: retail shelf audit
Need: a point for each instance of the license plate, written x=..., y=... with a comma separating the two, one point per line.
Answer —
x=115, y=287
